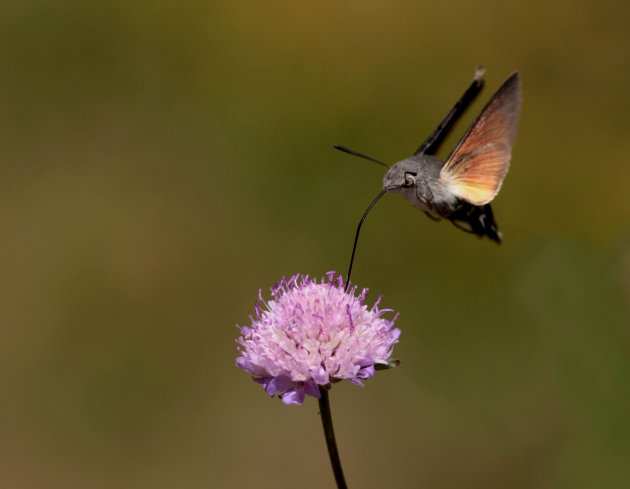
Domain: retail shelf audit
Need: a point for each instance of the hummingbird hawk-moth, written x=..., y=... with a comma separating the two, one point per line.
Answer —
x=461, y=187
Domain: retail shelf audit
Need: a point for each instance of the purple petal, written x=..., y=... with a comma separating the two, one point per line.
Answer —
x=312, y=389
x=250, y=367
x=366, y=372
x=320, y=376
x=278, y=385
x=294, y=396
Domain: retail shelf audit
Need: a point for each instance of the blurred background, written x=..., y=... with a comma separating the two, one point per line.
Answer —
x=162, y=161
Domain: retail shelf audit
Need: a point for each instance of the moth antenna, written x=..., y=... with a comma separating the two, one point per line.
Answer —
x=355, y=153
x=356, y=236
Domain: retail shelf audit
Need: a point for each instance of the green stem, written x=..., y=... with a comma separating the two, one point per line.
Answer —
x=329, y=433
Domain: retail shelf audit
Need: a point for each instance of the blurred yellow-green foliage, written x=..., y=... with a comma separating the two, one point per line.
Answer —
x=162, y=161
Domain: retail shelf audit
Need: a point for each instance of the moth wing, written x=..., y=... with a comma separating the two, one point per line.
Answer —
x=475, y=169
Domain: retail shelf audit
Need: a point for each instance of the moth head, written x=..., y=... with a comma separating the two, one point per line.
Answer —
x=400, y=176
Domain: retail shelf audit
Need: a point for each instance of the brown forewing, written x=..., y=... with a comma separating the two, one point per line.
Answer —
x=476, y=167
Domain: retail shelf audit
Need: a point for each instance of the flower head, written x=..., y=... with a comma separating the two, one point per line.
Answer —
x=311, y=334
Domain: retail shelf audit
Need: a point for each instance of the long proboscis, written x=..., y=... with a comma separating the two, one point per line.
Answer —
x=360, y=155
x=356, y=236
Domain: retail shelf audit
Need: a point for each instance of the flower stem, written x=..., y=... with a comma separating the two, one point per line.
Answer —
x=329, y=433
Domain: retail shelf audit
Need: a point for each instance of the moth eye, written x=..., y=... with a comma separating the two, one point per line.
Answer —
x=410, y=179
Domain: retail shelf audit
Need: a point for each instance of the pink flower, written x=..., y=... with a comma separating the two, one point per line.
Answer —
x=311, y=334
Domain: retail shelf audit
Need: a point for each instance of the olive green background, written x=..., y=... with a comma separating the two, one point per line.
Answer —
x=162, y=161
